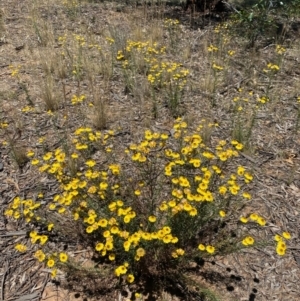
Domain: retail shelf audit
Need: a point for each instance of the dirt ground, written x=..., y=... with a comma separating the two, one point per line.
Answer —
x=257, y=274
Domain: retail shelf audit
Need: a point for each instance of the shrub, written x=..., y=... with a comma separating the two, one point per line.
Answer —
x=264, y=18
x=173, y=199
x=167, y=79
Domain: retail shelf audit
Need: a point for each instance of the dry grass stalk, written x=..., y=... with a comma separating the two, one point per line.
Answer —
x=49, y=94
x=99, y=117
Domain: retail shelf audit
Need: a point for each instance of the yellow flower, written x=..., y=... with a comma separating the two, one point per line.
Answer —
x=53, y=273
x=140, y=252
x=74, y=156
x=90, y=163
x=90, y=220
x=112, y=206
x=8, y=212
x=47, y=156
x=244, y=220
x=180, y=252
x=20, y=247
x=61, y=210
x=99, y=246
x=50, y=263
x=201, y=247
x=39, y=254
x=247, y=241
x=112, y=221
x=187, y=207
x=43, y=239
x=114, y=230
x=222, y=190
x=286, y=235
x=167, y=239
x=60, y=157
x=163, y=206
x=164, y=136
x=239, y=146
x=17, y=215
x=193, y=212
x=210, y=249
x=35, y=162
x=174, y=255
x=277, y=237
x=240, y=170
x=234, y=190
x=136, y=157
x=174, y=240
x=152, y=219
x=222, y=213
x=102, y=223
x=212, y=48
x=261, y=221
x=253, y=217
x=280, y=251
x=34, y=238
x=120, y=270
x=115, y=169
x=154, y=235
x=76, y=216
x=281, y=244
x=172, y=203
x=280, y=49
x=106, y=233
x=109, y=246
x=4, y=125
x=89, y=229
x=127, y=245
x=92, y=190
x=30, y=153
x=166, y=230
x=168, y=171
x=208, y=155
x=217, y=67
x=63, y=257
x=112, y=257
x=250, y=240
x=195, y=162
x=248, y=177
x=127, y=219
x=120, y=55
x=103, y=186
x=223, y=156
x=146, y=236
x=247, y=195
x=130, y=278
x=148, y=135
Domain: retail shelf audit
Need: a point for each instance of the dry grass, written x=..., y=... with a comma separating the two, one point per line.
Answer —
x=53, y=71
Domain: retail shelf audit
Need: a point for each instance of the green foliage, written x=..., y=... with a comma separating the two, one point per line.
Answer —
x=262, y=19
x=255, y=22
